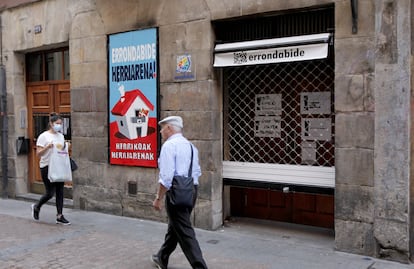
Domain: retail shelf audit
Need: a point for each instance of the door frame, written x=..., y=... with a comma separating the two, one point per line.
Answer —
x=43, y=98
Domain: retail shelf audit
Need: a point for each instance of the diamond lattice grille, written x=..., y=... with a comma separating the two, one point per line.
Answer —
x=280, y=113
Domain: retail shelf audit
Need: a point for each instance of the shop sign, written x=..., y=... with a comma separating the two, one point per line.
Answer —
x=274, y=50
x=133, y=91
x=273, y=55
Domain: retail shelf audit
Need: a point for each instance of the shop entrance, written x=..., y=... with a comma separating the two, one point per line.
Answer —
x=278, y=118
x=48, y=90
x=288, y=134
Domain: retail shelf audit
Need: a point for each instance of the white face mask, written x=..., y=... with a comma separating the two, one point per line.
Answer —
x=57, y=127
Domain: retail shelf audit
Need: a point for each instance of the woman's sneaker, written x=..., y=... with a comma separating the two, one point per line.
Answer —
x=62, y=220
x=35, y=212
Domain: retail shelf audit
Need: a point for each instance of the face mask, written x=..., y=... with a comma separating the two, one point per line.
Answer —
x=57, y=127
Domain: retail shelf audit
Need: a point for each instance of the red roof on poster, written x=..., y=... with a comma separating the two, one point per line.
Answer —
x=122, y=106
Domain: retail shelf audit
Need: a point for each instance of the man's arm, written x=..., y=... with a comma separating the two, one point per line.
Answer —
x=160, y=195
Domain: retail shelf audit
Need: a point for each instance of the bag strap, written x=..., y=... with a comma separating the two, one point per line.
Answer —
x=191, y=163
x=64, y=147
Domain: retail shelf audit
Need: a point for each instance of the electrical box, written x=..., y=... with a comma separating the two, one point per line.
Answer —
x=22, y=145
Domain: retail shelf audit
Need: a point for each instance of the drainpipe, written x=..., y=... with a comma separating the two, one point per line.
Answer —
x=3, y=117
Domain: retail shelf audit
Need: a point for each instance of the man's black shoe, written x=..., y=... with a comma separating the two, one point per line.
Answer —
x=156, y=260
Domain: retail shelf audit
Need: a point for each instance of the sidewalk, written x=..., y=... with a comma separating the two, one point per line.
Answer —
x=96, y=240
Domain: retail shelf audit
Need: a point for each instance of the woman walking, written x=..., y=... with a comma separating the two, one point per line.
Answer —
x=45, y=142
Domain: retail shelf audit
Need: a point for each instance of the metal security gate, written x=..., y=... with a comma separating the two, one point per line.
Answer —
x=278, y=119
x=280, y=114
x=279, y=125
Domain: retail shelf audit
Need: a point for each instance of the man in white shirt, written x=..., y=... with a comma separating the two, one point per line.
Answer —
x=174, y=160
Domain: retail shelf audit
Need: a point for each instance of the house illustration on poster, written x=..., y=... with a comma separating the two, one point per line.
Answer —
x=132, y=113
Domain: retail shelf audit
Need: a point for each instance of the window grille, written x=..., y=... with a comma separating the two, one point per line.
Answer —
x=284, y=24
x=280, y=113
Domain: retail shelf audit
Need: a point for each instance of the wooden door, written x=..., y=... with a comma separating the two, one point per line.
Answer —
x=293, y=207
x=44, y=98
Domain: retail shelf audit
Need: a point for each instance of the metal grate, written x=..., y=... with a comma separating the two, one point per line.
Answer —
x=280, y=113
x=288, y=23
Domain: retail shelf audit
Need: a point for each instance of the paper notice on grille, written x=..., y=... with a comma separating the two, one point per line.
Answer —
x=268, y=104
x=315, y=103
x=308, y=152
x=267, y=126
x=317, y=129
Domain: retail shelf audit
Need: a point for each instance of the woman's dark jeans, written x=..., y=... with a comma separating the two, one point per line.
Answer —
x=51, y=189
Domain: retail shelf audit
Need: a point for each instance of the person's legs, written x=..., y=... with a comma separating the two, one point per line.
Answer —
x=50, y=188
x=59, y=186
x=169, y=245
x=170, y=241
x=60, y=219
x=179, y=219
x=187, y=238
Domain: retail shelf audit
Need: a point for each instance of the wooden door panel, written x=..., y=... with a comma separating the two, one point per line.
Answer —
x=280, y=208
x=325, y=204
x=313, y=209
x=237, y=200
x=62, y=98
x=301, y=208
x=257, y=203
x=304, y=202
x=40, y=98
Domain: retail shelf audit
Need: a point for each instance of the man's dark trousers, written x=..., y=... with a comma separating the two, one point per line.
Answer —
x=181, y=231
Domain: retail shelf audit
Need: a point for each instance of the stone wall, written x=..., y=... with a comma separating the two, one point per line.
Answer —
x=18, y=37
x=372, y=131
x=182, y=29
x=392, y=128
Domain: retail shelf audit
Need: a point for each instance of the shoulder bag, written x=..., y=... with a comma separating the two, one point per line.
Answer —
x=182, y=189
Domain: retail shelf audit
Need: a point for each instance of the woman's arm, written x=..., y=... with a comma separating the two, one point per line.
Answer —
x=40, y=151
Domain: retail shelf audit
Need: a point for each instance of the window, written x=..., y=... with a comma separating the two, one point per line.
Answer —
x=41, y=124
x=49, y=65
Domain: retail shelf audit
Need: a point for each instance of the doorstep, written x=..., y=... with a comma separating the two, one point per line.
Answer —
x=33, y=197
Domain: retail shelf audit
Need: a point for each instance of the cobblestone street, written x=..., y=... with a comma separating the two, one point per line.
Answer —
x=97, y=240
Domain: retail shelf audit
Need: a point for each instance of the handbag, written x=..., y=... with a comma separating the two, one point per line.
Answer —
x=59, y=165
x=73, y=164
x=182, y=188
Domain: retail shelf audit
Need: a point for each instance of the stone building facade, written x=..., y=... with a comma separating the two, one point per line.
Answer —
x=372, y=190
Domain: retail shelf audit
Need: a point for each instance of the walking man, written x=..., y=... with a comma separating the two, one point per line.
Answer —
x=174, y=160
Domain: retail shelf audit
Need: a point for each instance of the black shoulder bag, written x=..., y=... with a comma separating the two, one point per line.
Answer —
x=182, y=188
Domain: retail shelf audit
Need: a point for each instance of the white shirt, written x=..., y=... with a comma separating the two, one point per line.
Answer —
x=46, y=138
x=175, y=158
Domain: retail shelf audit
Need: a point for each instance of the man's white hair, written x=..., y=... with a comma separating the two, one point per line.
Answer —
x=176, y=128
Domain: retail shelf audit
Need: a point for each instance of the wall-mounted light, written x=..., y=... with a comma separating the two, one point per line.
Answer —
x=354, y=9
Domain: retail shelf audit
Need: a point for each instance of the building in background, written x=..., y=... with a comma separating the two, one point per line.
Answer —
x=301, y=109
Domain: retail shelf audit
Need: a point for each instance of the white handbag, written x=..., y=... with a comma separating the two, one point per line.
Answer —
x=59, y=165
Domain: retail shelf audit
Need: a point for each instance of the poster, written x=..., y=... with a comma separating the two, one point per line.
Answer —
x=267, y=121
x=315, y=103
x=267, y=126
x=308, y=152
x=268, y=104
x=316, y=129
x=133, y=91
